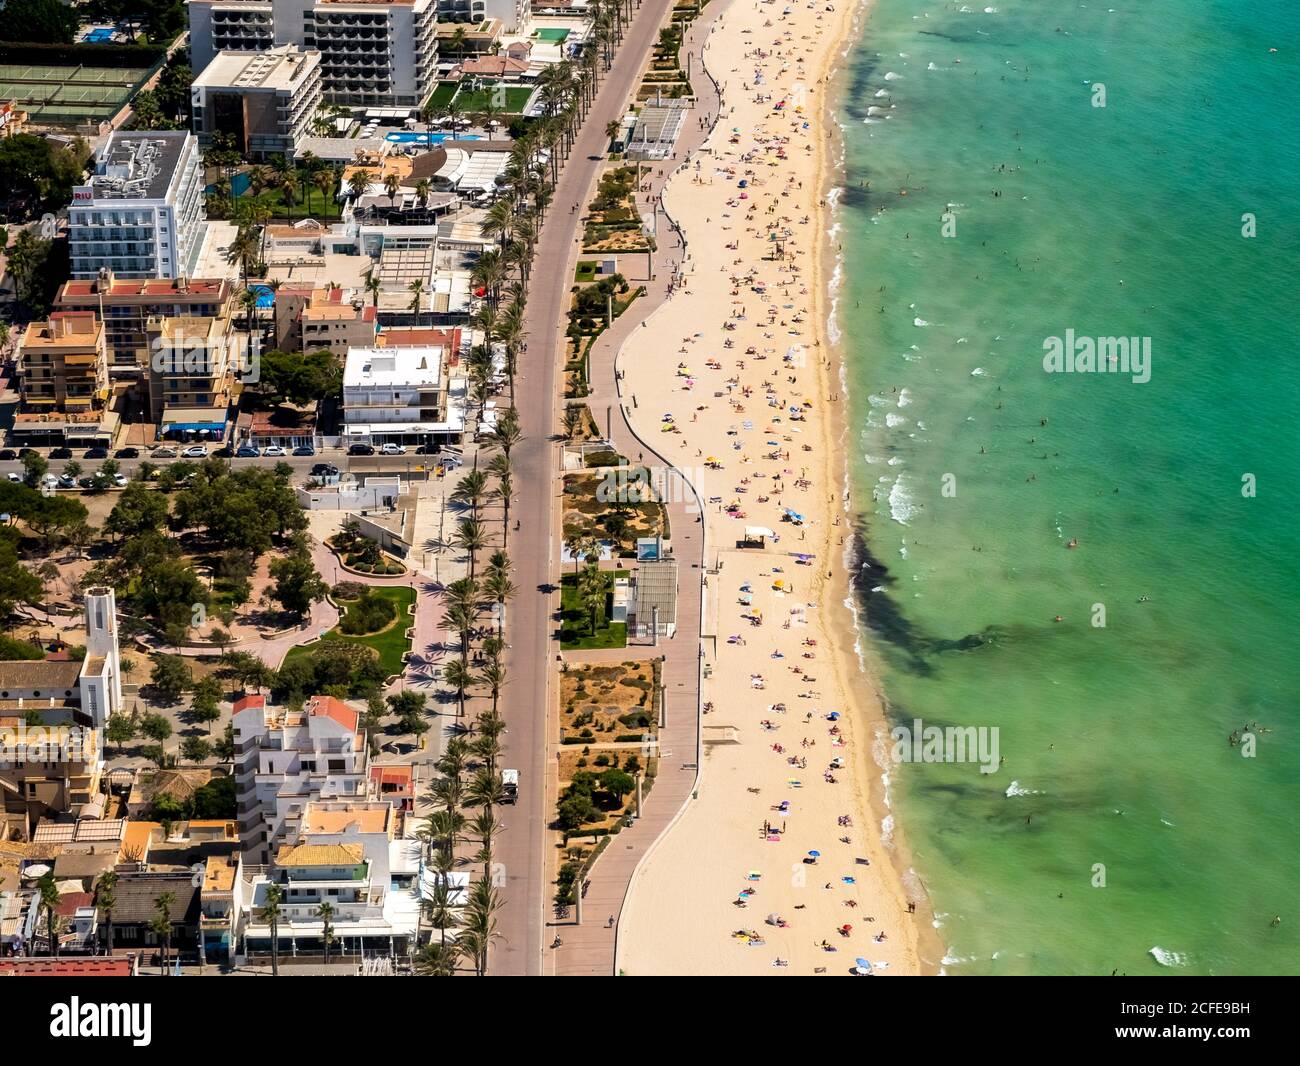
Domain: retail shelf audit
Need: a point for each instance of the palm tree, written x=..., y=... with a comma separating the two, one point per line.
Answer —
x=499, y=586
x=162, y=925
x=459, y=677
x=470, y=536
x=436, y=960
x=592, y=589
x=472, y=490
x=325, y=180
x=573, y=420
x=50, y=899
x=422, y=189
x=271, y=915
x=417, y=288
x=325, y=912
x=373, y=287
x=494, y=676
x=289, y=193
x=485, y=828
x=256, y=180
x=392, y=186
x=612, y=128
x=480, y=930
x=359, y=182
x=106, y=901
x=506, y=433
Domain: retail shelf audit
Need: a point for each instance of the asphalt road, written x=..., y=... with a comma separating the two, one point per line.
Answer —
x=523, y=846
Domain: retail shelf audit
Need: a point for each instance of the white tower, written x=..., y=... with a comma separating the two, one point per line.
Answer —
x=101, y=642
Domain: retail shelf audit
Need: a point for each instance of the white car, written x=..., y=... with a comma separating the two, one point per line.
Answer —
x=195, y=451
x=120, y=480
x=391, y=449
x=273, y=449
x=14, y=477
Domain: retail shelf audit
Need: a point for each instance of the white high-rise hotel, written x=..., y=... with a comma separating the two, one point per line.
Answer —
x=141, y=216
x=373, y=54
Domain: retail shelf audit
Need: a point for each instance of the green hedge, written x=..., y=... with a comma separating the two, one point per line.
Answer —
x=88, y=55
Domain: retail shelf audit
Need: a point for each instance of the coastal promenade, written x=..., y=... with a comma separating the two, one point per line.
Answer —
x=588, y=949
x=521, y=850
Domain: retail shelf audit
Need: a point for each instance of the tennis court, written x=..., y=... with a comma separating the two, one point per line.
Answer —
x=70, y=95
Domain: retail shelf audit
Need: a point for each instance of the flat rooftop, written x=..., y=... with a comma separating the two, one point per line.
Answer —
x=138, y=166
x=380, y=367
x=280, y=68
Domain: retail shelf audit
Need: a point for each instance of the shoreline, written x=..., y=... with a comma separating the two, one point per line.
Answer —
x=644, y=947
x=852, y=632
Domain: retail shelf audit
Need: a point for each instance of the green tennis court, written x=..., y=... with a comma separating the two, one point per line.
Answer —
x=70, y=95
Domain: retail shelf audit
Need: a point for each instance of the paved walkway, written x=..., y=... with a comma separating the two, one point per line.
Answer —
x=589, y=948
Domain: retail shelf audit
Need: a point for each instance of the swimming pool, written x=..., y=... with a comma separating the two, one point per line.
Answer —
x=430, y=138
x=554, y=34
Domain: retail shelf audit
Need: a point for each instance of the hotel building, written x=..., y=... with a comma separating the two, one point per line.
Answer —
x=266, y=100
x=373, y=54
x=64, y=381
x=141, y=216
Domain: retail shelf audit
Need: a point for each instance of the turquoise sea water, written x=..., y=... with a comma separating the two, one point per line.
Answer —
x=1122, y=220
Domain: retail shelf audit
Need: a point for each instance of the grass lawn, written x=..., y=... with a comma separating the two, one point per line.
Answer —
x=586, y=271
x=391, y=643
x=517, y=98
x=317, y=205
x=575, y=631
x=441, y=96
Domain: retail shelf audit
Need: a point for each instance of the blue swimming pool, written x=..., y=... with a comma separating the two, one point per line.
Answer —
x=429, y=138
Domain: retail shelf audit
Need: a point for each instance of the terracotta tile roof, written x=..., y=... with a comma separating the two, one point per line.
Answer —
x=335, y=708
x=319, y=855
x=69, y=967
x=40, y=675
x=245, y=702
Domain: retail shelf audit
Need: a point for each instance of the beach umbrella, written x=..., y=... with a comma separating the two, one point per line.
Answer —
x=37, y=871
x=834, y=716
x=862, y=967
x=815, y=854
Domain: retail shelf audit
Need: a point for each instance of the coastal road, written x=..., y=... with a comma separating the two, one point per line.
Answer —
x=522, y=848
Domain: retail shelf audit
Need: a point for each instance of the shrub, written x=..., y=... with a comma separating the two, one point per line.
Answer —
x=349, y=590
x=368, y=614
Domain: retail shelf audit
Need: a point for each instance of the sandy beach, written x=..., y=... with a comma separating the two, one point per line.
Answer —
x=736, y=382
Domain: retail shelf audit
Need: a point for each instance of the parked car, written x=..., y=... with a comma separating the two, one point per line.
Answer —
x=24, y=452
x=427, y=449
x=391, y=449
x=361, y=449
x=8, y=455
x=90, y=482
x=128, y=453
x=96, y=453
x=451, y=462
x=324, y=470
x=120, y=480
x=223, y=452
x=67, y=481
x=164, y=453
x=246, y=451
x=195, y=451
x=61, y=453
x=304, y=449
x=273, y=450
x=14, y=477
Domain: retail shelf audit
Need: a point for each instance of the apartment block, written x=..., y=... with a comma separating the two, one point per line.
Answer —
x=513, y=15
x=265, y=100
x=64, y=366
x=286, y=759
x=125, y=306
x=141, y=216
x=309, y=320
x=191, y=375
x=373, y=54
x=401, y=395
